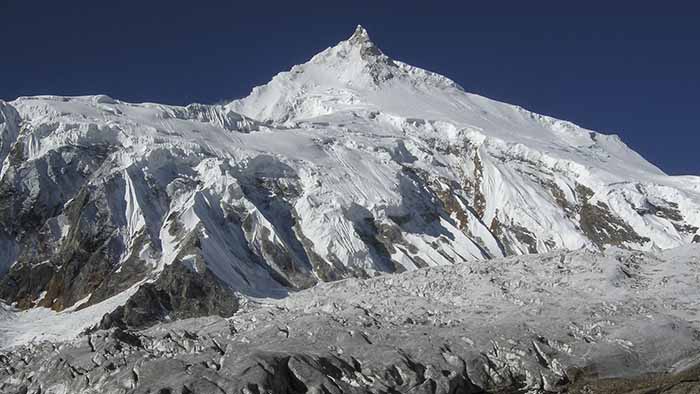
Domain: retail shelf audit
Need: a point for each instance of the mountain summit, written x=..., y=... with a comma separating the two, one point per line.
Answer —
x=354, y=73
x=369, y=52
x=360, y=36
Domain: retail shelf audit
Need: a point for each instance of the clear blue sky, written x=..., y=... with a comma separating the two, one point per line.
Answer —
x=631, y=68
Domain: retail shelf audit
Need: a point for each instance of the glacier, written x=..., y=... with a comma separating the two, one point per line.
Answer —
x=618, y=321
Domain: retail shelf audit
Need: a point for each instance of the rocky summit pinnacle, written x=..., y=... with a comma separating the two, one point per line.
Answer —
x=369, y=52
x=360, y=35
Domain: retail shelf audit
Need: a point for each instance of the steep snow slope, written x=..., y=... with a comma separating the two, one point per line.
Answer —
x=350, y=165
x=524, y=161
x=356, y=76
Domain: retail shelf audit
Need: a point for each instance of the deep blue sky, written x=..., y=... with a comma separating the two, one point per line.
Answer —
x=632, y=69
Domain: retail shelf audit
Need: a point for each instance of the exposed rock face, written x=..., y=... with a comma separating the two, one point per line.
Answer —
x=178, y=293
x=601, y=225
x=9, y=129
x=582, y=322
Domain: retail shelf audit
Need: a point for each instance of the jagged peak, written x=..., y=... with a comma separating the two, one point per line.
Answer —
x=360, y=35
x=367, y=49
x=352, y=68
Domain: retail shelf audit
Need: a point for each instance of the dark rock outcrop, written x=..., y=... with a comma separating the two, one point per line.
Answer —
x=178, y=293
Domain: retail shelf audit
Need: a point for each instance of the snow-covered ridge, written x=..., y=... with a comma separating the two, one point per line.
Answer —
x=350, y=165
x=341, y=76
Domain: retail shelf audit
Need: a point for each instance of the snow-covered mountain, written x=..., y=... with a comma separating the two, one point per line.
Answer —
x=350, y=165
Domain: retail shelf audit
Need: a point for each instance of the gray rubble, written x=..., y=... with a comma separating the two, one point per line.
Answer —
x=560, y=322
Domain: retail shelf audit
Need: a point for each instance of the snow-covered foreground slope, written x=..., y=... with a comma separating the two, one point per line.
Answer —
x=350, y=165
x=555, y=322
